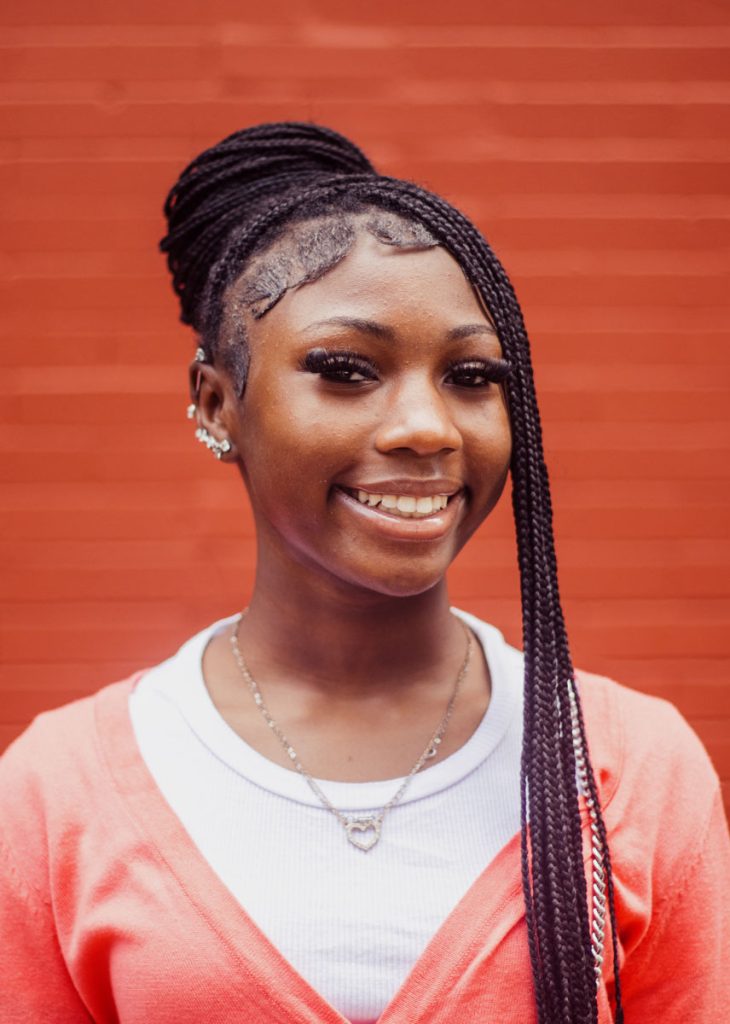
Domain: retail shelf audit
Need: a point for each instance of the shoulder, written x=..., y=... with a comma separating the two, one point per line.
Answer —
x=53, y=776
x=60, y=740
x=658, y=788
x=64, y=752
x=668, y=838
x=635, y=738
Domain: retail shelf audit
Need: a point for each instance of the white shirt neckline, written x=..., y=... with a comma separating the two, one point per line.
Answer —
x=194, y=702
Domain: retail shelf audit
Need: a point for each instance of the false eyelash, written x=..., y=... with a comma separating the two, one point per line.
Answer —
x=320, y=360
x=494, y=370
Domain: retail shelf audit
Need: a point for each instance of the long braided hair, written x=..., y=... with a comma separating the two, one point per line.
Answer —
x=227, y=206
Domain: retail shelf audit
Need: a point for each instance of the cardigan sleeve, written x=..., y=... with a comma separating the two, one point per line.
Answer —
x=679, y=974
x=35, y=984
x=670, y=858
x=36, y=987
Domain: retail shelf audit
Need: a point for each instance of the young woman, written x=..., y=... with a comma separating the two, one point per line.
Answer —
x=352, y=802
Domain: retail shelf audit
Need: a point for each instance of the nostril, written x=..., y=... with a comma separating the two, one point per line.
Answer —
x=422, y=438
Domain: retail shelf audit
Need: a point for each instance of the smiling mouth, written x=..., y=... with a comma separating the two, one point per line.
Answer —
x=403, y=506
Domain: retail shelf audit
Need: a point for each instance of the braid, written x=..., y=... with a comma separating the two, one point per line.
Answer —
x=228, y=204
x=220, y=187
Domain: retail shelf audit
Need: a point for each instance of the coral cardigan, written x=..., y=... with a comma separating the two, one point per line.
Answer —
x=109, y=913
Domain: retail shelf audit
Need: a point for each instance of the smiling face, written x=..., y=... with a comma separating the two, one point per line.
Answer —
x=373, y=434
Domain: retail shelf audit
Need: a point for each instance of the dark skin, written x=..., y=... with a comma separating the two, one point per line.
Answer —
x=348, y=630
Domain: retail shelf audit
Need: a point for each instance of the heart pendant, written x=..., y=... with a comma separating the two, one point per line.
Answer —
x=368, y=829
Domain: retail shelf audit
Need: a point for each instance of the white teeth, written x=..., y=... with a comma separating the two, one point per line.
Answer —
x=405, y=505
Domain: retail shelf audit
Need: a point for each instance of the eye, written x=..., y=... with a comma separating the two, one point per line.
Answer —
x=478, y=373
x=342, y=367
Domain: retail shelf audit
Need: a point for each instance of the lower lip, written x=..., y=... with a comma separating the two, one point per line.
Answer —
x=425, y=528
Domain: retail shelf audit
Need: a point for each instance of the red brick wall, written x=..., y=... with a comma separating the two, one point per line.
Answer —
x=591, y=144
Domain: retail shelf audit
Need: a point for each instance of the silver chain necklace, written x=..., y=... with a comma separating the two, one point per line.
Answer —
x=363, y=831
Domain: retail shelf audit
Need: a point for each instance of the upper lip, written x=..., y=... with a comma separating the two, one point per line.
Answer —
x=417, y=488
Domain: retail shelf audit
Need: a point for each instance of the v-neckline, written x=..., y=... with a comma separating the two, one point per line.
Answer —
x=476, y=925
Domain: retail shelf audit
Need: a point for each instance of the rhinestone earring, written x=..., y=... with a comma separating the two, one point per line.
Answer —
x=219, y=448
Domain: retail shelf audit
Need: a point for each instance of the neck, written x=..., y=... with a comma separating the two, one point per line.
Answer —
x=334, y=636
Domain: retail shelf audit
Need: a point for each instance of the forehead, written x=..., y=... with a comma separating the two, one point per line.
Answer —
x=387, y=283
x=304, y=250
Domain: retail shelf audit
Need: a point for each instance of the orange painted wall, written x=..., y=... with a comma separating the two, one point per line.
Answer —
x=590, y=142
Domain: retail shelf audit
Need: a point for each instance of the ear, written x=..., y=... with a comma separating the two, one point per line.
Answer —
x=216, y=407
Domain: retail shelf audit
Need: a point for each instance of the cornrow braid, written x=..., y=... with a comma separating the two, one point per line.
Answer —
x=221, y=186
x=229, y=204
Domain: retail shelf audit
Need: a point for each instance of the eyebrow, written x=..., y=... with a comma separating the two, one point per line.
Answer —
x=365, y=326
x=387, y=334
x=466, y=330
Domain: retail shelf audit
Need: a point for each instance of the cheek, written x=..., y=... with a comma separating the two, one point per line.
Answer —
x=490, y=454
x=285, y=416
x=497, y=429
x=504, y=444
x=289, y=454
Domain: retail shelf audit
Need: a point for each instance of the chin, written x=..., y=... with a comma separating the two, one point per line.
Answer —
x=405, y=583
x=395, y=572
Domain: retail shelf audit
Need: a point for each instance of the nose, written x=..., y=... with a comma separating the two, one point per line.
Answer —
x=418, y=418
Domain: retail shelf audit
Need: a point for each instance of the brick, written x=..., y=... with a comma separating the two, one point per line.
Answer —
x=549, y=65
x=135, y=61
x=153, y=521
